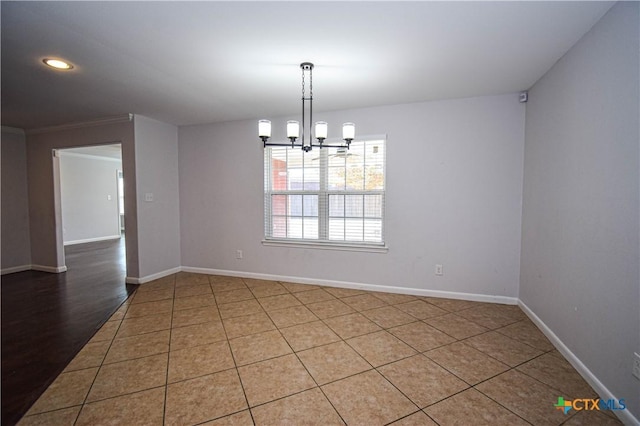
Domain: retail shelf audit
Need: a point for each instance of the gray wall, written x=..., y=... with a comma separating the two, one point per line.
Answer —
x=454, y=192
x=580, y=234
x=44, y=211
x=89, y=191
x=157, y=173
x=16, y=248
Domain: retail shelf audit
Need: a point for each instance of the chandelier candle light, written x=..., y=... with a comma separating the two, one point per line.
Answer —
x=293, y=127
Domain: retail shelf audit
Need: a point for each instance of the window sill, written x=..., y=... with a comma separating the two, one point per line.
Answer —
x=327, y=246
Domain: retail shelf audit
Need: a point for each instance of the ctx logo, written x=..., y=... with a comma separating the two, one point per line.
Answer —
x=589, y=404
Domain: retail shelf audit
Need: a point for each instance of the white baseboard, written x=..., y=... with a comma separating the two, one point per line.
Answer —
x=148, y=278
x=624, y=415
x=92, y=240
x=52, y=269
x=358, y=286
x=13, y=269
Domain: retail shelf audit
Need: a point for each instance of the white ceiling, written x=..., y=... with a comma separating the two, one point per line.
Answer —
x=199, y=62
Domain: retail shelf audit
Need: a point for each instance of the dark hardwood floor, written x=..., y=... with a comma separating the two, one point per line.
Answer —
x=47, y=318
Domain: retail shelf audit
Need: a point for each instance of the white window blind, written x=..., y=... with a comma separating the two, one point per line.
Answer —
x=329, y=195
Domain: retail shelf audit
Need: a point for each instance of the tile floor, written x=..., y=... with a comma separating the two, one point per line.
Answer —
x=197, y=349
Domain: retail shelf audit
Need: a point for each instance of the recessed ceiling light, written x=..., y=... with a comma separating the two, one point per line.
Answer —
x=57, y=64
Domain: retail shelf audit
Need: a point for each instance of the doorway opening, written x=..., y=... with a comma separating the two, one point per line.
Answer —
x=92, y=201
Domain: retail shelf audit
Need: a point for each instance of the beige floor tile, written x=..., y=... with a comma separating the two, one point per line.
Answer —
x=493, y=316
x=190, y=278
x=247, y=325
x=129, y=377
x=258, y=347
x=193, y=290
x=292, y=316
x=197, y=334
x=233, y=295
x=67, y=390
x=195, y=316
x=138, y=346
x=524, y=396
x=313, y=296
x=150, y=308
x=348, y=326
x=451, y=305
x=199, y=361
x=388, y=316
x=466, y=362
x=368, y=399
x=204, y=398
x=332, y=362
x=330, y=308
x=559, y=374
x=157, y=285
x=297, y=288
x=591, y=418
x=142, y=408
x=394, y=298
x=273, y=303
x=219, y=283
x=152, y=296
x=141, y=325
x=416, y=419
x=266, y=290
x=274, y=378
x=64, y=417
x=343, y=292
x=380, y=348
x=363, y=302
x=306, y=408
x=305, y=336
x=192, y=302
x=91, y=355
x=455, y=326
x=107, y=332
x=243, y=418
x=420, y=336
x=253, y=282
x=472, y=407
x=122, y=310
x=526, y=332
x=421, y=309
x=503, y=348
x=238, y=309
x=423, y=381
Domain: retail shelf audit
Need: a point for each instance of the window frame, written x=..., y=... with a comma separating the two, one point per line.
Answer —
x=323, y=213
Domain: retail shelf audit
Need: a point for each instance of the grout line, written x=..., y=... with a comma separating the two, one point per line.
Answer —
x=166, y=377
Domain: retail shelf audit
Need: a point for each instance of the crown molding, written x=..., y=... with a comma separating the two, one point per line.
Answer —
x=80, y=125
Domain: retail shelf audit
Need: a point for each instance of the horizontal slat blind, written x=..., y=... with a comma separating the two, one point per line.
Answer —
x=326, y=195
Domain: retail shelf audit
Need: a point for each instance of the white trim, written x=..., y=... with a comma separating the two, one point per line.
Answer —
x=148, y=278
x=358, y=286
x=92, y=240
x=326, y=246
x=624, y=415
x=51, y=269
x=13, y=269
x=80, y=125
x=65, y=153
x=13, y=130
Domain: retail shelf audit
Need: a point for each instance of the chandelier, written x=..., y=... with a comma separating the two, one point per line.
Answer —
x=293, y=127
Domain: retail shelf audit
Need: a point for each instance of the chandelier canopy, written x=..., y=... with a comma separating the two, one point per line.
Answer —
x=293, y=127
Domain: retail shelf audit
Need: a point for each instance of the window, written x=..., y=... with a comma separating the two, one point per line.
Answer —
x=329, y=195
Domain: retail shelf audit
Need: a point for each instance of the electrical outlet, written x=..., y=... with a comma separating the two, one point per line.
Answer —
x=438, y=269
x=238, y=254
x=636, y=365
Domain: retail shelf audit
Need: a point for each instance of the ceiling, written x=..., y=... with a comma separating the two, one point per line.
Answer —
x=113, y=151
x=201, y=62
